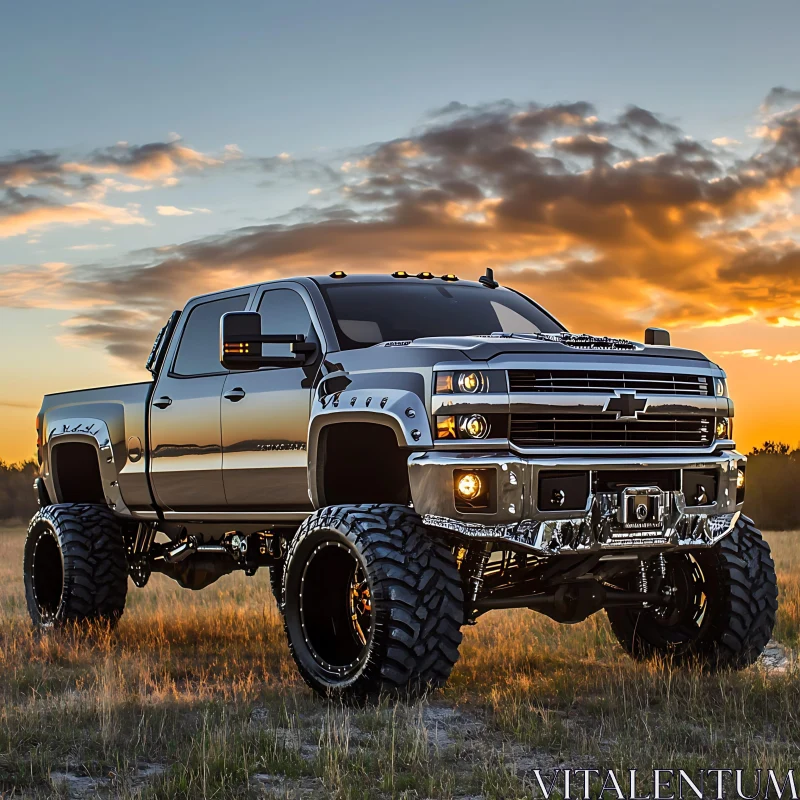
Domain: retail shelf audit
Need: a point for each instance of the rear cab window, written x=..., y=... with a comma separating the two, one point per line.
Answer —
x=198, y=350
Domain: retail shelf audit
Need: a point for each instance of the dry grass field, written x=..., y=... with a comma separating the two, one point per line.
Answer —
x=195, y=695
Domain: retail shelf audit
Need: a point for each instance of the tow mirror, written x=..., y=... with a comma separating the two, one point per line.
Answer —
x=241, y=340
x=657, y=336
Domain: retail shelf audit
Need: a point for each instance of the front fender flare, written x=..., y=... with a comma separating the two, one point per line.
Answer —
x=399, y=409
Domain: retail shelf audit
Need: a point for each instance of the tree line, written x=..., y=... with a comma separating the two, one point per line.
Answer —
x=773, y=487
x=17, y=501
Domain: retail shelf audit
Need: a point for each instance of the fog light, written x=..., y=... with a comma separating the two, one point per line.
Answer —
x=740, y=479
x=722, y=428
x=468, y=486
x=474, y=426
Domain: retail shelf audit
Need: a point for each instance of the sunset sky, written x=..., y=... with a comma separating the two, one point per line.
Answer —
x=625, y=163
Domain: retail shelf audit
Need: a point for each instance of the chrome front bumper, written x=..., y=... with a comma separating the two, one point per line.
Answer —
x=600, y=525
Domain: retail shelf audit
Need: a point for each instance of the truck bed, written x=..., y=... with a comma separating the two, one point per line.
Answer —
x=113, y=413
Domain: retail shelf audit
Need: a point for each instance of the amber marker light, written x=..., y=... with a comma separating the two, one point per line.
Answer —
x=740, y=479
x=468, y=486
x=445, y=427
x=236, y=348
x=444, y=382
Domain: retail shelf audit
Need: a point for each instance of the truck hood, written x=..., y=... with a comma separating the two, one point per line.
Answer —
x=484, y=348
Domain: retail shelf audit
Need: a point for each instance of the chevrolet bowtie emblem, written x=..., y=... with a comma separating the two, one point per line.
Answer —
x=627, y=405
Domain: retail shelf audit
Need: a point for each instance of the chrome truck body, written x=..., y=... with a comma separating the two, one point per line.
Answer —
x=561, y=472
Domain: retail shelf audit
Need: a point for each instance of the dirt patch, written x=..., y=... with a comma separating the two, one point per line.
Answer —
x=266, y=785
x=78, y=787
x=445, y=725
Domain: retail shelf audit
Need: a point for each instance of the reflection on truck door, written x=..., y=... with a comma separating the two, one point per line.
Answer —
x=185, y=438
x=265, y=416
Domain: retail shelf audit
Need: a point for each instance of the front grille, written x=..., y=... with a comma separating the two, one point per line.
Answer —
x=603, y=430
x=528, y=380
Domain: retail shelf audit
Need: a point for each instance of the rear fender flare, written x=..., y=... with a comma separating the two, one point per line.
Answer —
x=85, y=430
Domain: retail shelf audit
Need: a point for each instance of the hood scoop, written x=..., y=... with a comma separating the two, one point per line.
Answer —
x=580, y=341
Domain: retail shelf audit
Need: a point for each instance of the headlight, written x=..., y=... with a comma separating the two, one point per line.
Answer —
x=473, y=426
x=724, y=428
x=473, y=381
x=720, y=389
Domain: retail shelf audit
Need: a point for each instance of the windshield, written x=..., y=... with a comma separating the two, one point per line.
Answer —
x=368, y=313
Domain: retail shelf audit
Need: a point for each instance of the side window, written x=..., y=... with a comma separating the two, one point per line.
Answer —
x=284, y=312
x=198, y=352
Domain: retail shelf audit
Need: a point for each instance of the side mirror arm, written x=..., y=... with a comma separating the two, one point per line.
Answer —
x=305, y=349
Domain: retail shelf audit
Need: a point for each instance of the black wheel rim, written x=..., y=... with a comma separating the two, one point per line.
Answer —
x=686, y=584
x=337, y=617
x=47, y=576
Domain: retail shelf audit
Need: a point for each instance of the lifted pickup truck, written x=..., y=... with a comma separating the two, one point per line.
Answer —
x=405, y=453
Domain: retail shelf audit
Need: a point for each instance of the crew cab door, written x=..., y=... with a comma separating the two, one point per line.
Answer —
x=185, y=435
x=265, y=413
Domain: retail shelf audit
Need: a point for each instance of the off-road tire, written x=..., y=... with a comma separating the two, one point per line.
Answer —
x=276, y=582
x=81, y=547
x=415, y=592
x=742, y=602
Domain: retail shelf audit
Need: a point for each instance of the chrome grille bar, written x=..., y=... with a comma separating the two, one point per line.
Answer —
x=523, y=380
x=604, y=430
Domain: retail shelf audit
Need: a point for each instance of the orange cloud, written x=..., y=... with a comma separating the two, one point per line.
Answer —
x=73, y=214
x=36, y=184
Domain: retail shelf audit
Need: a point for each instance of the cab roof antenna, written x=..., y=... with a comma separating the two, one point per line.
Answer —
x=488, y=279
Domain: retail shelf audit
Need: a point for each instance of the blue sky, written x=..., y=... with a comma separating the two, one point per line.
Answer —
x=324, y=83
x=303, y=76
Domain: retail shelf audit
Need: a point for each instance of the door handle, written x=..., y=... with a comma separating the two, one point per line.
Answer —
x=162, y=402
x=235, y=395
